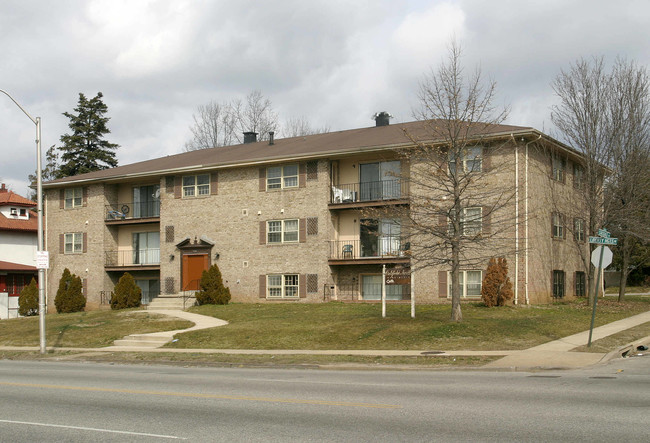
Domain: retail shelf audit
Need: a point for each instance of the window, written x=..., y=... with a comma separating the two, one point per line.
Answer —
x=282, y=286
x=579, y=229
x=73, y=243
x=23, y=212
x=559, y=167
x=282, y=231
x=470, y=283
x=578, y=176
x=13, y=211
x=196, y=185
x=470, y=221
x=73, y=198
x=558, y=284
x=280, y=177
x=581, y=286
x=471, y=157
x=558, y=225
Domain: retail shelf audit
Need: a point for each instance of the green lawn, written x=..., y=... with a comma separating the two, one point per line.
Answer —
x=360, y=326
x=86, y=329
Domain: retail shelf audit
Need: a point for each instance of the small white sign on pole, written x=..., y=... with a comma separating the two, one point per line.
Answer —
x=42, y=260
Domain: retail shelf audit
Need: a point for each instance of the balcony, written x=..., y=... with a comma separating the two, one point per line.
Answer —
x=138, y=212
x=377, y=193
x=370, y=250
x=130, y=259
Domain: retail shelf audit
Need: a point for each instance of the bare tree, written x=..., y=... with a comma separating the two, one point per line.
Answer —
x=456, y=216
x=627, y=192
x=223, y=124
x=604, y=116
x=300, y=126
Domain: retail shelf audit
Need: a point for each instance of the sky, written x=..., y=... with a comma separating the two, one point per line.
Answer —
x=334, y=63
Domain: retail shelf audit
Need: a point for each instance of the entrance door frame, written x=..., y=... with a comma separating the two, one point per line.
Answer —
x=200, y=247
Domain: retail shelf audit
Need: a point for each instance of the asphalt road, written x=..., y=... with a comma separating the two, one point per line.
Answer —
x=56, y=401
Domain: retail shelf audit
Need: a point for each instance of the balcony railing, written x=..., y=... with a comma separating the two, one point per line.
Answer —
x=133, y=211
x=369, y=191
x=141, y=257
x=370, y=247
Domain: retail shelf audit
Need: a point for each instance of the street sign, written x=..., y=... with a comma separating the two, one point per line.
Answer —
x=604, y=233
x=603, y=241
x=42, y=260
x=607, y=257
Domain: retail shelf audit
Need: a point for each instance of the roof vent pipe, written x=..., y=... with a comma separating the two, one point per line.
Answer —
x=250, y=137
x=271, y=142
x=382, y=118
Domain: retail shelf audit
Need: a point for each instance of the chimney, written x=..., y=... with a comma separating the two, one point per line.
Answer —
x=3, y=189
x=382, y=118
x=271, y=133
x=250, y=137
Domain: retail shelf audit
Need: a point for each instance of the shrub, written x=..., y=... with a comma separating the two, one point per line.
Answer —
x=126, y=293
x=28, y=300
x=496, y=288
x=212, y=292
x=69, y=297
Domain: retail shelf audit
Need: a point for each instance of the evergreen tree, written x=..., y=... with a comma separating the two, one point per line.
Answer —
x=69, y=297
x=126, y=293
x=496, y=289
x=51, y=171
x=28, y=300
x=212, y=290
x=86, y=150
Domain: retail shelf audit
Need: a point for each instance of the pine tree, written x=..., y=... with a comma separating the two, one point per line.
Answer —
x=69, y=297
x=126, y=293
x=28, y=300
x=86, y=150
x=496, y=288
x=212, y=290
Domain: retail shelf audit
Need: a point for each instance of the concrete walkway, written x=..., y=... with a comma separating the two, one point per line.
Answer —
x=551, y=355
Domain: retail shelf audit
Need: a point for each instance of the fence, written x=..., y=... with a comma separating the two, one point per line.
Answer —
x=369, y=191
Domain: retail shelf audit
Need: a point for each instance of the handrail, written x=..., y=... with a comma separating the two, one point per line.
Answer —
x=131, y=257
x=371, y=247
x=369, y=191
x=189, y=293
x=132, y=210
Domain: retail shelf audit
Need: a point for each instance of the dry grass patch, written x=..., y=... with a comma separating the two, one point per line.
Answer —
x=86, y=329
x=618, y=340
x=360, y=326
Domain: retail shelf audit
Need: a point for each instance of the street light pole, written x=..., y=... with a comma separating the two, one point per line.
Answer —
x=39, y=215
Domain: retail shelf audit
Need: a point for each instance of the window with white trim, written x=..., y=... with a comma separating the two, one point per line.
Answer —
x=196, y=185
x=470, y=283
x=558, y=225
x=471, y=158
x=559, y=167
x=281, y=177
x=73, y=242
x=471, y=221
x=282, y=286
x=73, y=198
x=282, y=231
x=578, y=176
x=579, y=229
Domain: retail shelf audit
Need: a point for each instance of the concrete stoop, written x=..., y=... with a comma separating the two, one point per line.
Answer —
x=142, y=341
x=170, y=302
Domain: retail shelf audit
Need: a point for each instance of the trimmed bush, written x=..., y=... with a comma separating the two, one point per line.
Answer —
x=126, y=293
x=69, y=296
x=212, y=292
x=497, y=288
x=28, y=300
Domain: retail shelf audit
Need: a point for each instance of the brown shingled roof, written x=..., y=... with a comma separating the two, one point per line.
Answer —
x=16, y=224
x=317, y=145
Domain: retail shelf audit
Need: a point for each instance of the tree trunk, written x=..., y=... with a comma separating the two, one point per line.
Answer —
x=456, y=314
x=626, y=252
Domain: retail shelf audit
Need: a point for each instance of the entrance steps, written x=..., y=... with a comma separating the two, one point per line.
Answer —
x=142, y=341
x=166, y=302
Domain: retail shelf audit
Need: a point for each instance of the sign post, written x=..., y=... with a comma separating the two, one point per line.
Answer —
x=600, y=258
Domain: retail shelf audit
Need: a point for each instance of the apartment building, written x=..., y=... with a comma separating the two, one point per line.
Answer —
x=287, y=220
x=18, y=243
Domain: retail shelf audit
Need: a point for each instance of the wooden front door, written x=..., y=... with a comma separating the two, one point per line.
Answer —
x=193, y=267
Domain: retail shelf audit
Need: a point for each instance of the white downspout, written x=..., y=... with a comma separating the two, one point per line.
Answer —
x=516, y=221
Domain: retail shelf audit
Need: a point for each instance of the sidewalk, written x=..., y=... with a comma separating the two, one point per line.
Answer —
x=551, y=355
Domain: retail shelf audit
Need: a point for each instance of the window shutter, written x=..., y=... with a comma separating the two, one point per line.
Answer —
x=85, y=242
x=262, y=286
x=552, y=224
x=84, y=287
x=262, y=179
x=312, y=225
x=442, y=220
x=312, y=170
x=487, y=160
x=61, y=243
x=178, y=188
x=442, y=284
x=61, y=198
x=563, y=218
x=262, y=233
x=312, y=283
x=406, y=292
x=485, y=220
x=302, y=230
x=84, y=192
x=302, y=175
x=169, y=184
x=214, y=183
x=169, y=234
x=302, y=286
